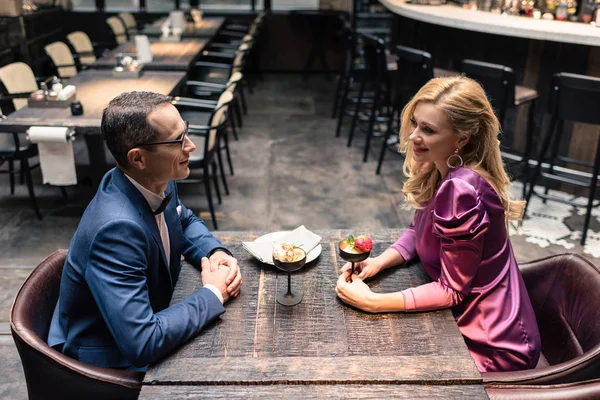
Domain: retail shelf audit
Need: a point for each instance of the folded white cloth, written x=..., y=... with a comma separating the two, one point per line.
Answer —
x=300, y=236
x=303, y=238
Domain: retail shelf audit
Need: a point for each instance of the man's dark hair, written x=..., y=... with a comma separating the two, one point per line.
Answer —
x=125, y=122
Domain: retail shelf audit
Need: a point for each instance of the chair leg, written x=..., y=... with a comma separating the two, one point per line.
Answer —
x=374, y=110
x=211, y=206
x=233, y=130
x=528, y=145
x=336, y=96
x=222, y=170
x=216, y=181
x=554, y=154
x=11, y=175
x=361, y=91
x=238, y=112
x=27, y=172
x=593, y=189
x=538, y=168
x=65, y=195
x=342, y=110
x=227, y=153
x=243, y=99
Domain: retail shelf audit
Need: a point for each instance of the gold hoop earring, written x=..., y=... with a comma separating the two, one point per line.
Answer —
x=454, y=155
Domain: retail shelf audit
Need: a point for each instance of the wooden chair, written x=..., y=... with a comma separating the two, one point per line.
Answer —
x=207, y=139
x=63, y=60
x=130, y=24
x=118, y=29
x=18, y=81
x=82, y=45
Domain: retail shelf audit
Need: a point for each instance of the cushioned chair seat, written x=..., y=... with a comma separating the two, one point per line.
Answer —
x=524, y=95
x=49, y=373
x=565, y=294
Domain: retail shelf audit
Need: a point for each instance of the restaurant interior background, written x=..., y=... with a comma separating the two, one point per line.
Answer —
x=290, y=168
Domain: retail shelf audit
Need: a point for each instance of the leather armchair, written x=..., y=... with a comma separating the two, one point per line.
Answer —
x=565, y=293
x=48, y=372
x=588, y=390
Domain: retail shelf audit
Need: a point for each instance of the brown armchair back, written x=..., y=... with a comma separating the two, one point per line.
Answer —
x=565, y=293
x=47, y=371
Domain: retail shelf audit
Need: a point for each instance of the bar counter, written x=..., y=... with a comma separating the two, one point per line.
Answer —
x=454, y=16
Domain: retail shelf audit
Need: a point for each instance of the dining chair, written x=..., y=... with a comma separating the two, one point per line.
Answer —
x=563, y=290
x=573, y=98
x=118, y=29
x=18, y=81
x=49, y=373
x=214, y=70
x=130, y=24
x=210, y=92
x=207, y=139
x=499, y=83
x=63, y=60
x=83, y=47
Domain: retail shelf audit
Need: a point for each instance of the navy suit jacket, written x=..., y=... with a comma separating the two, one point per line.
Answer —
x=113, y=310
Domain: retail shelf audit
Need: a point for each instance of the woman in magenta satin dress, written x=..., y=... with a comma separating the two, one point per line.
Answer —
x=457, y=184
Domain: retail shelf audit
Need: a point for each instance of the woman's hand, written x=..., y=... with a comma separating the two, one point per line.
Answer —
x=355, y=293
x=365, y=269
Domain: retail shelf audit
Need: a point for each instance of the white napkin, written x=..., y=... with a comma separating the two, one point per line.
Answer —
x=56, y=154
x=300, y=236
x=142, y=46
x=177, y=18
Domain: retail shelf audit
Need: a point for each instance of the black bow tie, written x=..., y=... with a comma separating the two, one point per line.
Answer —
x=164, y=203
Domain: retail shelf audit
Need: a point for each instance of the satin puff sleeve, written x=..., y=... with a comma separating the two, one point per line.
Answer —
x=460, y=221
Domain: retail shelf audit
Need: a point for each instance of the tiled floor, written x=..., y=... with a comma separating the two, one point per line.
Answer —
x=289, y=170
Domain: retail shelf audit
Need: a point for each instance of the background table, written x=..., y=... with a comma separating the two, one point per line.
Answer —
x=207, y=28
x=265, y=349
x=95, y=89
x=166, y=56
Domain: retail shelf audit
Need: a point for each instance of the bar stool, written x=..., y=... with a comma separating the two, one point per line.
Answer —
x=499, y=83
x=374, y=79
x=574, y=98
x=415, y=68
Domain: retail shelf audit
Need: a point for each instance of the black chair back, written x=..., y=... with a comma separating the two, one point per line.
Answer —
x=415, y=69
x=375, y=58
x=497, y=80
x=575, y=98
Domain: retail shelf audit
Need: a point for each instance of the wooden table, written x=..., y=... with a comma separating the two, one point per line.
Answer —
x=262, y=349
x=207, y=28
x=95, y=89
x=166, y=56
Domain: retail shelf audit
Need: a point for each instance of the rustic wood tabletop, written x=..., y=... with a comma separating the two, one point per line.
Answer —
x=265, y=349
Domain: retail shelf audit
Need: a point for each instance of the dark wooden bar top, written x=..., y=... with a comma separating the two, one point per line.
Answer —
x=265, y=349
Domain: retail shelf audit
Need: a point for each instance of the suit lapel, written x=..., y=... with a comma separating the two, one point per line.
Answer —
x=141, y=204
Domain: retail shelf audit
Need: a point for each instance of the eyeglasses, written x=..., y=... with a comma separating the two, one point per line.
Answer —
x=180, y=139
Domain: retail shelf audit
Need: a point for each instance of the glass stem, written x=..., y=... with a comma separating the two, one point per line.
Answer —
x=289, y=292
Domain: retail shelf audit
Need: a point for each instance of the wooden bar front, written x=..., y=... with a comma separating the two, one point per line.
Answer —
x=319, y=341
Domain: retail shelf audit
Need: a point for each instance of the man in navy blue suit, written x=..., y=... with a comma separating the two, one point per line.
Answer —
x=125, y=257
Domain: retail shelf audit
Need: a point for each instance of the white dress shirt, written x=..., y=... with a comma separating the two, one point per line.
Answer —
x=155, y=201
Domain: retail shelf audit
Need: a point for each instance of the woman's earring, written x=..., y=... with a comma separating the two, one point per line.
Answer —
x=459, y=159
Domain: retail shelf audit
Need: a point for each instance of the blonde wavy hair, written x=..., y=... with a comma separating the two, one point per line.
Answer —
x=469, y=112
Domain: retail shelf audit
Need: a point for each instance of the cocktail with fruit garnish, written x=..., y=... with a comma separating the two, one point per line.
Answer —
x=355, y=249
